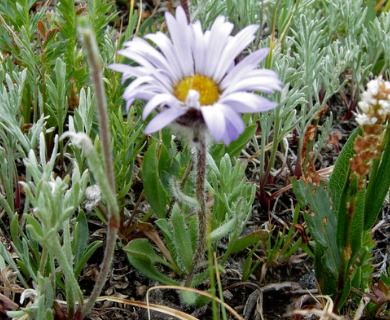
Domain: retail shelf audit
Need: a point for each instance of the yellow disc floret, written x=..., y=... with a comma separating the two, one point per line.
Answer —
x=207, y=88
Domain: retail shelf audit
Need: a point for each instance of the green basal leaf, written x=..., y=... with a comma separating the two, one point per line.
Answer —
x=16, y=314
x=192, y=223
x=153, y=187
x=322, y=223
x=181, y=240
x=223, y=230
x=326, y=277
x=350, y=217
x=80, y=236
x=143, y=257
x=5, y=205
x=340, y=174
x=322, y=219
x=379, y=184
x=142, y=247
x=181, y=237
x=248, y=240
x=344, y=294
x=166, y=228
x=83, y=259
x=357, y=229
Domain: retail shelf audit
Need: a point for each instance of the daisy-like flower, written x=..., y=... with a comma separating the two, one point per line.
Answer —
x=191, y=78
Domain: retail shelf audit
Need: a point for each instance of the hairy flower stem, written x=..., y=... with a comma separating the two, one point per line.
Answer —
x=114, y=217
x=201, y=153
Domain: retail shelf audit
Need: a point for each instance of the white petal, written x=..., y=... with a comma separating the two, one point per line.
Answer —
x=199, y=48
x=143, y=53
x=163, y=119
x=123, y=68
x=215, y=121
x=234, y=118
x=141, y=94
x=233, y=48
x=257, y=80
x=231, y=133
x=128, y=71
x=216, y=43
x=135, y=85
x=244, y=102
x=166, y=47
x=247, y=64
x=129, y=104
x=161, y=99
x=134, y=56
x=234, y=124
x=181, y=36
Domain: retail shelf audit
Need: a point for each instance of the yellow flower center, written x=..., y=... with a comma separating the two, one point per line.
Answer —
x=207, y=88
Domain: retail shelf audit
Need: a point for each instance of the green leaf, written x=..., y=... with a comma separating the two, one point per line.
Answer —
x=235, y=148
x=378, y=186
x=166, y=229
x=181, y=240
x=193, y=228
x=89, y=251
x=325, y=276
x=35, y=228
x=57, y=107
x=103, y=12
x=340, y=174
x=80, y=236
x=143, y=257
x=224, y=230
x=322, y=223
x=153, y=187
x=7, y=258
x=14, y=231
x=371, y=12
x=322, y=220
x=248, y=240
x=350, y=216
x=357, y=229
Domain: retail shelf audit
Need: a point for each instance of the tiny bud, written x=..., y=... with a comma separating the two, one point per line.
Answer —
x=80, y=140
x=93, y=195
